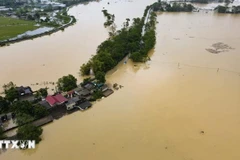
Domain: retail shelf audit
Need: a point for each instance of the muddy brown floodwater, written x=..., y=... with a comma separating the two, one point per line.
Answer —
x=182, y=105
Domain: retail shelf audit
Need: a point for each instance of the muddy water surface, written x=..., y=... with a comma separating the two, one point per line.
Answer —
x=182, y=105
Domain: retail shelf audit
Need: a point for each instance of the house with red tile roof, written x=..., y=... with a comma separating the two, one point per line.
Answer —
x=57, y=99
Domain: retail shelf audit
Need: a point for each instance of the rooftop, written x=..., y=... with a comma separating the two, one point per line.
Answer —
x=45, y=104
x=56, y=99
x=85, y=105
x=73, y=100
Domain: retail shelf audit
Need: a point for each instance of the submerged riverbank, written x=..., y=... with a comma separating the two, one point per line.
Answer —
x=37, y=33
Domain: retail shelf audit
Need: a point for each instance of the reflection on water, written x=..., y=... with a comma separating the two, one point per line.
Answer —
x=178, y=106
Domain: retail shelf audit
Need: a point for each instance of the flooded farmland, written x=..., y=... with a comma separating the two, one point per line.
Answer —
x=182, y=105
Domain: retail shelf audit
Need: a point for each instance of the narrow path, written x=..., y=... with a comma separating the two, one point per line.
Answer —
x=146, y=21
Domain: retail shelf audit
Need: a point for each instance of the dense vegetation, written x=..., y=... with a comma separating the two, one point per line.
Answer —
x=175, y=7
x=128, y=40
x=10, y=92
x=114, y=49
x=2, y=136
x=148, y=40
x=67, y=83
x=225, y=9
x=42, y=92
x=72, y=2
x=221, y=9
x=24, y=110
x=29, y=132
x=4, y=105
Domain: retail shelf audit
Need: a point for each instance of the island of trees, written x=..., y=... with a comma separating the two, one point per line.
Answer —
x=126, y=41
x=110, y=18
x=172, y=7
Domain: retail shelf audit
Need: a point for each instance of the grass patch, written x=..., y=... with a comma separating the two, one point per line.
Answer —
x=11, y=27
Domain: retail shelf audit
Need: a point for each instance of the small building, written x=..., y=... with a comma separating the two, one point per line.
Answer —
x=107, y=92
x=45, y=104
x=89, y=86
x=29, y=98
x=55, y=100
x=85, y=105
x=104, y=88
x=23, y=91
x=83, y=92
x=72, y=103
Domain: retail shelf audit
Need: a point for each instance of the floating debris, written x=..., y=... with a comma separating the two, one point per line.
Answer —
x=115, y=86
x=219, y=47
x=213, y=51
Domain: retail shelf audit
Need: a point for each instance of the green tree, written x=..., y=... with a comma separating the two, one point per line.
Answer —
x=107, y=61
x=96, y=95
x=39, y=111
x=97, y=65
x=10, y=91
x=26, y=112
x=23, y=118
x=11, y=94
x=4, y=105
x=221, y=9
x=22, y=107
x=85, y=69
x=29, y=132
x=67, y=83
x=136, y=57
x=43, y=92
x=100, y=76
x=2, y=136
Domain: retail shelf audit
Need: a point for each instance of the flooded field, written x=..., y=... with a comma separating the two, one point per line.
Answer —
x=182, y=105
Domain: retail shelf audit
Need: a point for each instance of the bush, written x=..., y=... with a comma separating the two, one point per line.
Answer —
x=29, y=132
x=85, y=69
x=100, y=76
x=67, y=83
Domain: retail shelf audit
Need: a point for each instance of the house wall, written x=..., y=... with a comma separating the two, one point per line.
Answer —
x=70, y=106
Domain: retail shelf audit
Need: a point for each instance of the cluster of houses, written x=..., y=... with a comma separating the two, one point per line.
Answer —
x=77, y=99
x=32, y=8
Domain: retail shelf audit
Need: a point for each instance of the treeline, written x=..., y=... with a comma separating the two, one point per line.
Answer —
x=148, y=40
x=113, y=50
x=73, y=2
x=10, y=3
x=225, y=9
x=128, y=40
x=175, y=7
x=110, y=18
